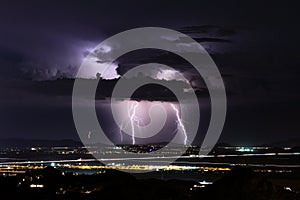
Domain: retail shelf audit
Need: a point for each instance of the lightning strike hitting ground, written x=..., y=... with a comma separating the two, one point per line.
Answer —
x=121, y=133
x=132, y=117
x=179, y=123
x=89, y=135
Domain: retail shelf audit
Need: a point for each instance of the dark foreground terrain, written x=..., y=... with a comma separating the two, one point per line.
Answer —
x=50, y=183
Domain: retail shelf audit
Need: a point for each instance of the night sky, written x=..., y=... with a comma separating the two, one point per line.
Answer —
x=254, y=44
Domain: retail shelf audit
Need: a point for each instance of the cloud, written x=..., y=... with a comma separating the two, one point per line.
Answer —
x=37, y=73
x=209, y=30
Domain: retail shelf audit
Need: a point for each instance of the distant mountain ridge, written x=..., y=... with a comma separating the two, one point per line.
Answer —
x=23, y=143
x=293, y=142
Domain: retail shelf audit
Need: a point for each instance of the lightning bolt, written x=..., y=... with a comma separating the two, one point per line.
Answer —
x=180, y=123
x=133, y=119
x=121, y=128
x=89, y=135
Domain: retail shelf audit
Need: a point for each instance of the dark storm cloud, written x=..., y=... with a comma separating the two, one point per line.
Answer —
x=56, y=34
x=212, y=30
